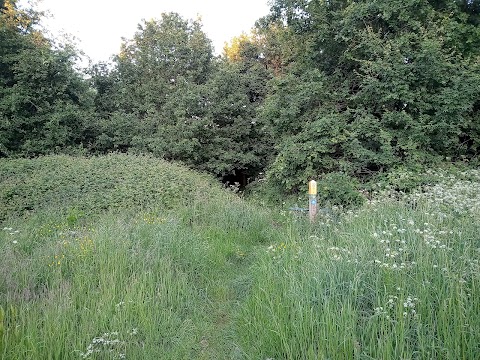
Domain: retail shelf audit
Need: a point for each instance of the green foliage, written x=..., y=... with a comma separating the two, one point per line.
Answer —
x=163, y=55
x=339, y=189
x=373, y=85
x=167, y=96
x=45, y=105
x=168, y=48
x=224, y=279
x=166, y=284
x=358, y=88
x=228, y=138
x=411, y=178
x=91, y=185
x=369, y=286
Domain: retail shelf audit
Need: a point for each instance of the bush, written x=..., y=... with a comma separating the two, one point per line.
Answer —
x=339, y=189
x=94, y=184
x=412, y=177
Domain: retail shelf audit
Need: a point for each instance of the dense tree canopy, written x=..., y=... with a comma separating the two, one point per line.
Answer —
x=374, y=84
x=44, y=104
x=346, y=87
x=139, y=95
x=167, y=95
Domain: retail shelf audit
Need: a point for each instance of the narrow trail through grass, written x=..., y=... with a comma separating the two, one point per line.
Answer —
x=223, y=278
x=233, y=248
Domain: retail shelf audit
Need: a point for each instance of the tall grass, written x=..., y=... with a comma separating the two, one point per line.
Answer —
x=224, y=279
x=391, y=281
x=139, y=285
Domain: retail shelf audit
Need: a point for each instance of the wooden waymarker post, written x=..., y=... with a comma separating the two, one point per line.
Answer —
x=312, y=199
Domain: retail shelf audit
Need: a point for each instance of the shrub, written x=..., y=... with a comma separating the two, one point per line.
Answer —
x=339, y=189
x=91, y=185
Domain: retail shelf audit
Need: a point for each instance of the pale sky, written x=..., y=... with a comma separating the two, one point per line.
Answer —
x=99, y=25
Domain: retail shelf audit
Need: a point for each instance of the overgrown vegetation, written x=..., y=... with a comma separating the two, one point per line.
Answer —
x=388, y=281
x=220, y=278
x=126, y=256
x=372, y=85
x=319, y=87
x=91, y=185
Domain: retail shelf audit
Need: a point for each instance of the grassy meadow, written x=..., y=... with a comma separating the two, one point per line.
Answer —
x=129, y=257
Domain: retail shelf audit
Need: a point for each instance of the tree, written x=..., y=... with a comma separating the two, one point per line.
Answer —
x=373, y=84
x=168, y=96
x=214, y=127
x=135, y=98
x=162, y=53
x=45, y=104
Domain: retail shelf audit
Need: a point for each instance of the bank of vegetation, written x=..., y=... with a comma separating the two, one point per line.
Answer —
x=118, y=242
x=340, y=88
x=217, y=277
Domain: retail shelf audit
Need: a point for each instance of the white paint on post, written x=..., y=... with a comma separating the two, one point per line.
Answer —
x=312, y=199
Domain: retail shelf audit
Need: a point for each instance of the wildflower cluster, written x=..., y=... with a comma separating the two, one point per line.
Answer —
x=50, y=229
x=466, y=272
x=240, y=254
x=394, y=246
x=109, y=343
x=432, y=238
x=409, y=306
x=460, y=194
x=274, y=248
x=77, y=244
x=12, y=232
x=338, y=253
x=329, y=216
x=397, y=242
x=57, y=260
x=72, y=245
x=395, y=306
x=122, y=304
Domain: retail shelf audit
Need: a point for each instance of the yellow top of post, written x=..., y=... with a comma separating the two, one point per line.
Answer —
x=312, y=187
